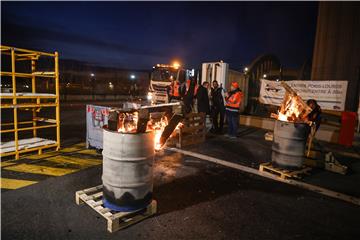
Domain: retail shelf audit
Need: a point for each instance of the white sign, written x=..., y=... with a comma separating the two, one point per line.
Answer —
x=330, y=95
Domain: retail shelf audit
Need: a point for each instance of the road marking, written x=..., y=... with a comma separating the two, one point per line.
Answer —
x=42, y=156
x=307, y=186
x=8, y=163
x=70, y=149
x=15, y=183
x=89, y=151
x=73, y=148
x=37, y=169
x=82, y=162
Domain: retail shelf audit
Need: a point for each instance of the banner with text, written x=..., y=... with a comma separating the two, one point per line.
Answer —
x=330, y=95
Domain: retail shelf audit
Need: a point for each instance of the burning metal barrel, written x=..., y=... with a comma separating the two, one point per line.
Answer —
x=127, y=170
x=289, y=143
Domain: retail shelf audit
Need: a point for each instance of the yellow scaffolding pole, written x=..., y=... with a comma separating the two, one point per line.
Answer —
x=33, y=90
x=13, y=78
x=57, y=92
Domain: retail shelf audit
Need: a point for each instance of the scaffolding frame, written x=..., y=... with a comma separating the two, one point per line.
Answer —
x=31, y=101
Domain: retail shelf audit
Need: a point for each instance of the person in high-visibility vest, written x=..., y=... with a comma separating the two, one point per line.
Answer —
x=174, y=91
x=233, y=100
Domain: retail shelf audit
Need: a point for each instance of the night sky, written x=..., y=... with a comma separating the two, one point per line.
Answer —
x=138, y=35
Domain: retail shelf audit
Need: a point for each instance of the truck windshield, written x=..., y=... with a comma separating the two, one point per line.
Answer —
x=164, y=74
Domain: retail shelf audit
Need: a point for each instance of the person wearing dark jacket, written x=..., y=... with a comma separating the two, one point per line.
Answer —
x=217, y=108
x=203, y=98
x=315, y=115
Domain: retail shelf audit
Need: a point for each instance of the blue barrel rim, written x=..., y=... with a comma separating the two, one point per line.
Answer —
x=118, y=208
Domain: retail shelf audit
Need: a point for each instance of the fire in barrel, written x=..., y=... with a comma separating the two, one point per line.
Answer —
x=127, y=169
x=291, y=131
x=129, y=144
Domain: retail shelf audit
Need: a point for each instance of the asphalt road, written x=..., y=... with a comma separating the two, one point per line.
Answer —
x=196, y=200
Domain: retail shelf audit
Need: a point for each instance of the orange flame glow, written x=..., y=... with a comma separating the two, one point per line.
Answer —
x=128, y=122
x=159, y=129
x=292, y=109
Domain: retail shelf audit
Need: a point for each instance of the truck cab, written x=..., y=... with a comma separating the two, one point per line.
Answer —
x=161, y=78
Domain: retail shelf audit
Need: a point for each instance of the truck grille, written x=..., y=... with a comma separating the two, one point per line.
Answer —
x=159, y=88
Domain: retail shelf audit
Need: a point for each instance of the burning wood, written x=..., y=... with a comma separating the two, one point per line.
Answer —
x=293, y=108
x=127, y=122
x=137, y=121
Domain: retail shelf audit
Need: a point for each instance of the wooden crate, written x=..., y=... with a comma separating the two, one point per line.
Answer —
x=191, y=132
x=284, y=173
x=115, y=220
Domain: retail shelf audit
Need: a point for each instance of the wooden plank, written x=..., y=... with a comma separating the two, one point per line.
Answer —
x=193, y=129
x=191, y=115
x=93, y=189
x=283, y=173
x=310, y=187
x=192, y=122
x=118, y=223
x=115, y=221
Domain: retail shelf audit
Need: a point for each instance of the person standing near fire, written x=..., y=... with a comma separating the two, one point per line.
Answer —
x=202, y=97
x=233, y=100
x=315, y=115
x=174, y=91
x=217, y=108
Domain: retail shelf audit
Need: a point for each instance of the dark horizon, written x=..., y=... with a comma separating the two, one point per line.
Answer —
x=138, y=35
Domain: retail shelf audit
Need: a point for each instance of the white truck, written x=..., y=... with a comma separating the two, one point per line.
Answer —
x=161, y=78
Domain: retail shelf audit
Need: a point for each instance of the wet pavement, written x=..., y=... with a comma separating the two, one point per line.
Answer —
x=196, y=199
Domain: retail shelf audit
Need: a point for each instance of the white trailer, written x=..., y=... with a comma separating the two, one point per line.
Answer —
x=221, y=72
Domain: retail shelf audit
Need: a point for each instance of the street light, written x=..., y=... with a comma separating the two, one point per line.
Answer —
x=132, y=76
x=246, y=69
x=92, y=75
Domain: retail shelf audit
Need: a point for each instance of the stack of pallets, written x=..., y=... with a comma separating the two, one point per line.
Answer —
x=192, y=131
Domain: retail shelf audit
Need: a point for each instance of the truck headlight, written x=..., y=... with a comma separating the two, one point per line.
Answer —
x=149, y=96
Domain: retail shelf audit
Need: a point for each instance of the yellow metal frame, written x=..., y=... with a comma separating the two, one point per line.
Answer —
x=18, y=102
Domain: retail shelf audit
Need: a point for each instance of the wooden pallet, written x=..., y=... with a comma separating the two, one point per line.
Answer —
x=191, y=132
x=284, y=173
x=115, y=220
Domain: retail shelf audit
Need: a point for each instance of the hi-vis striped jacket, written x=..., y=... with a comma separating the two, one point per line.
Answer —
x=234, y=100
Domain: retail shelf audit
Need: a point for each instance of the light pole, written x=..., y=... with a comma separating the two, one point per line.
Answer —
x=92, y=83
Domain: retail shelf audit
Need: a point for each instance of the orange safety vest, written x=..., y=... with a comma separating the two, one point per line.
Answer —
x=233, y=102
x=175, y=89
x=188, y=86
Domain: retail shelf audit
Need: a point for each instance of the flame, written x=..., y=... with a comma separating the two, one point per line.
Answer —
x=128, y=122
x=158, y=128
x=291, y=109
x=282, y=117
